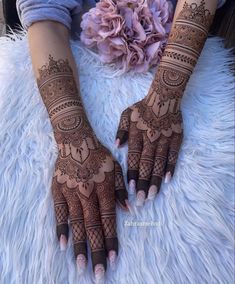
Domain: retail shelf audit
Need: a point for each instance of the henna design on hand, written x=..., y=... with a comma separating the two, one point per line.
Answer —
x=86, y=180
x=154, y=126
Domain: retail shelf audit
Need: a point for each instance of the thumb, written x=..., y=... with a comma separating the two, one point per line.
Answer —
x=123, y=128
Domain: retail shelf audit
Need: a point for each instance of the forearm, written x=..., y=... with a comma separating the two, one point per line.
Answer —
x=186, y=40
x=55, y=70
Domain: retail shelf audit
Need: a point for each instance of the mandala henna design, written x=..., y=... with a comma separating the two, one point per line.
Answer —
x=84, y=183
x=157, y=118
x=160, y=111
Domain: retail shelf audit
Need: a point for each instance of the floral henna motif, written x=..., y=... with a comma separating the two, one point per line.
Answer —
x=160, y=110
x=156, y=121
x=84, y=179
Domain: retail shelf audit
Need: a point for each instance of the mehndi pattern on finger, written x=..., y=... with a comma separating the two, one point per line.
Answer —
x=84, y=177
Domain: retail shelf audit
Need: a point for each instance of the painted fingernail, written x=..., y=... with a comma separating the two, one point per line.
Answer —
x=167, y=177
x=81, y=263
x=63, y=242
x=117, y=142
x=132, y=185
x=152, y=192
x=99, y=273
x=112, y=259
x=140, y=198
x=128, y=205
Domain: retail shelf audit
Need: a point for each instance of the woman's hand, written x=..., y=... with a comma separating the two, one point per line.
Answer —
x=85, y=184
x=87, y=179
x=154, y=139
x=153, y=126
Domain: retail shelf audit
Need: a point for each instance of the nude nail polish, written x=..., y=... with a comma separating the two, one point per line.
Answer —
x=112, y=259
x=81, y=263
x=167, y=177
x=117, y=142
x=132, y=186
x=99, y=273
x=63, y=242
x=140, y=198
x=128, y=205
x=152, y=192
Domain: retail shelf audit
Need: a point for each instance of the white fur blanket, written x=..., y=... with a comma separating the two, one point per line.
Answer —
x=190, y=239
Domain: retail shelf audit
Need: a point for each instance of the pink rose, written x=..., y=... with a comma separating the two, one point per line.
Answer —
x=110, y=25
x=107, y=6
x=134, y=58
x=111, y=48
x=130, y=33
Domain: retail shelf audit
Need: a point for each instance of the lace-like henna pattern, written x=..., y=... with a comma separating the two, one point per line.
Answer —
x=157, y=118
x=134, y=152
x=124, y=125
x=61, y=210
x=161, y=111
x=120, y=192
x=83, y=184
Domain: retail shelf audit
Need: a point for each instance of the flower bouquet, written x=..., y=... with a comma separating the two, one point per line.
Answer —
x=130, y=33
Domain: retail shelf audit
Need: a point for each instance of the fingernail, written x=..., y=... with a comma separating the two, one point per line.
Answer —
x=81, y=263
x=167, y=177
x=112, y=259
x=99, y=274
x=140, y=198
x=132, y=185
x=117, y=142
x=152, y=192
x=128, y=205
x=63, y=242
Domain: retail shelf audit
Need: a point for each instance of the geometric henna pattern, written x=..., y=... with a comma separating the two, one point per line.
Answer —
x=120, y=188
x=95, y=236
x=61, y=213
x=184, y=46
x=79, y=233
x=109, y=224
x=83, y=184
x=159, y=166
x=124, y=125
x=156, y=121
x=172, y=157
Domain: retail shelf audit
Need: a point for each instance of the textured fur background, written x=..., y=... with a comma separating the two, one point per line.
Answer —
x=192, y=239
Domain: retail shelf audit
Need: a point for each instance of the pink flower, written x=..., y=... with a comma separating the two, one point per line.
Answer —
x=111, y=49
x=130, y=33
x=135, y=58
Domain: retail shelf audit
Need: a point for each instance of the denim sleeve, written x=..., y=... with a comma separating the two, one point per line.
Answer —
x=31, y=11
x=220, y=3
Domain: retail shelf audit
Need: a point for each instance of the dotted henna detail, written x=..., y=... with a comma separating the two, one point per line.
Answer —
x=160, y=113
x=196, y=14
x=83, y=184
x=155, y=125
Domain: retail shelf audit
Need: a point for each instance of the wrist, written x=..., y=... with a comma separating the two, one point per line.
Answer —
x=74, y=125
x=163, y=99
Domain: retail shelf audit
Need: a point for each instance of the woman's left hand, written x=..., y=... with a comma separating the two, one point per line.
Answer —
x=153, y=144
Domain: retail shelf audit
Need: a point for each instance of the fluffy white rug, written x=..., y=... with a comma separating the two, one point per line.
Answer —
x=188, y=234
